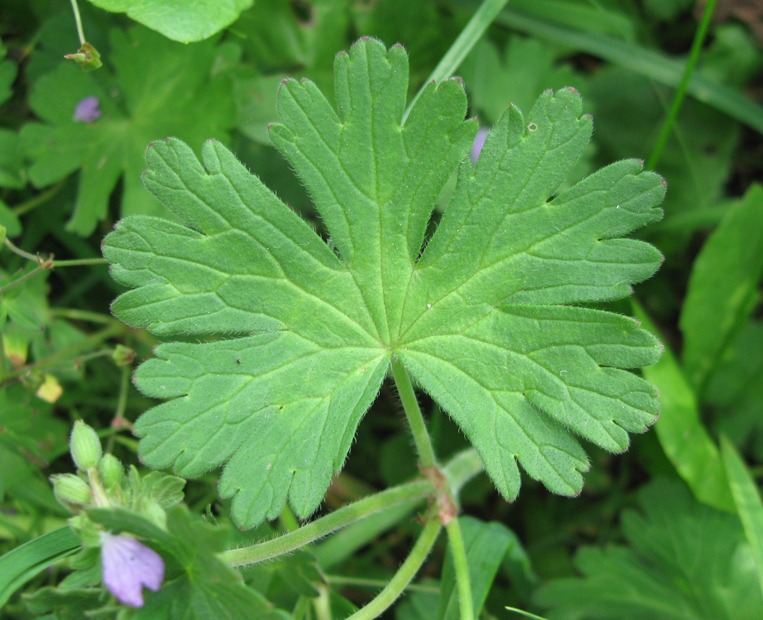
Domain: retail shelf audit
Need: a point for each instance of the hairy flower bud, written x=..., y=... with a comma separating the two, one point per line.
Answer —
x=111, y=470
x=85, y=446
x=70, y=489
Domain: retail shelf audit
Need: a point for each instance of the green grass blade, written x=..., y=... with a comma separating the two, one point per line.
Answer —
x=652, y=64
x=20, y=565
x=747, y=499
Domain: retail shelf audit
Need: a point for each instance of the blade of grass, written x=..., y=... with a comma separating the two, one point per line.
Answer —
x=24, y=562
x=461, y=47
x=747, y=499
x=678, y=98
x=638, y=59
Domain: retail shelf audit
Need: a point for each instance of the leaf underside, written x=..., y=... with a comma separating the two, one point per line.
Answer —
x=486, y=318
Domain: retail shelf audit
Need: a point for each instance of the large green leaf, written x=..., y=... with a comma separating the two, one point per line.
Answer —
x=158, y=88
x=488, y=319
x=684, y=561
x=179, y=19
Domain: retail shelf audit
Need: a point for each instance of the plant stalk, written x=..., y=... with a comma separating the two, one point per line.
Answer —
x=404, y=575
x=411, y=491
x=462, y=569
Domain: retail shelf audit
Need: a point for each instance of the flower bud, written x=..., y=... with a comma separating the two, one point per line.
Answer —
x=70, y=489
x=111, y=470
x=85, y=446
x=123, y=356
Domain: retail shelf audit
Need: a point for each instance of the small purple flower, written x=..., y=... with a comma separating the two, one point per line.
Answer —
x=479, y=142
x=87, y=110
x=128, y=566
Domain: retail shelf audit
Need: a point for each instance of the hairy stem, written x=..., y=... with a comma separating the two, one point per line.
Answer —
x=462, y=569
x=78, y=21
x=404, y=575
x=461, y=47
x=413, y=413
x=412, y=491
x=678, y=98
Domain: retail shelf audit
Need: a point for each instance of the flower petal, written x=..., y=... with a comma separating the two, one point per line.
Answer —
x=128, y=565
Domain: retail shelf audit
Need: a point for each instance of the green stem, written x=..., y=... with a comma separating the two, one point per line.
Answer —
x=39, y=199
x=403, y=576
x=462, y=468
x=21, y=280
x=675, y=107
x=461, y=47
x=82, y=315
x=17, y=250
x=377, y=584
x=413, y=413
x=77, y=262
x=78, y=21
x=416, y=490
x=462, y=569
x=67, y=352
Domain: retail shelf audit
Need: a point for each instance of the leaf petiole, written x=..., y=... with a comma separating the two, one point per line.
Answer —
x=413, y=414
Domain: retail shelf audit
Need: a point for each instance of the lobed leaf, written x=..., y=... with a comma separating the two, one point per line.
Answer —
x=485, y=315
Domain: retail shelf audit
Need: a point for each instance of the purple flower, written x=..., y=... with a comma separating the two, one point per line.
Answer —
x=87, y=110
x=128, y=566
x=479, y=142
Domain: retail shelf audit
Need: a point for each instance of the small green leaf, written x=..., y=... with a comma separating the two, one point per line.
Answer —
x=486, y=544
x=487, y=317
x=684, y=561
x=747, y=500
x=683, y=437
x=22, y=563
x=723, y=288
x=180, y=20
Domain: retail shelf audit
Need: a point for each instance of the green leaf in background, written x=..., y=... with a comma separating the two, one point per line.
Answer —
x=486, y=545
x=723, y=288
x=7, y=75
x=683, y=437
x=497, y=288
x=747, y=500
x=180, y=20
x=24, y=562
x=162, y=88
x=696, y=161
x=734, y=394
x=526, y=68
x=11, y=177
x=684, y=561
x=198, y=584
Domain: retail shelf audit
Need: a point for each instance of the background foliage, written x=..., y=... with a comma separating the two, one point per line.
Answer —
x=645, y=520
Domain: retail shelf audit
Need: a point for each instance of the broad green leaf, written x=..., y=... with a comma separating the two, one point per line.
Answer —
x=487, y=320
x=24, y=562
x=747, y=500
x=158, y=88
x=723, y=288
x=486, y=544
x=684, y=561
x=683, y=437
x=180, y=20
